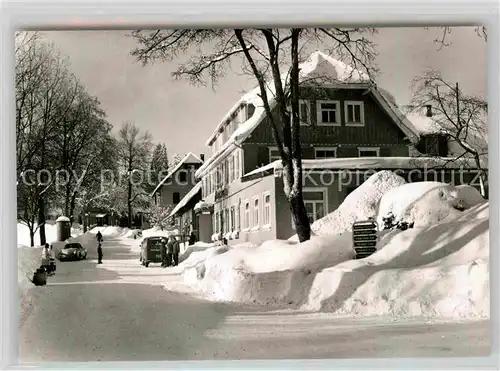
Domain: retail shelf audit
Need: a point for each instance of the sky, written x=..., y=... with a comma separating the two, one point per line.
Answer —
x=183, y=116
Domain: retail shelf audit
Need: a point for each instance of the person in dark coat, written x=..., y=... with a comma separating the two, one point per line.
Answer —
x=39, y=277
x=99, y=236
x=99, y=253
x=176, y=249
x=170, y=250
x=192, y=239
x=163, y=253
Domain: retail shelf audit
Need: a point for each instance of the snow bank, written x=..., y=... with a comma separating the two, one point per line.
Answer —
x=23, y=233
x=438, y=271
x=274, y=272
x=439, y=268
x=360, y=204
x=28, y=260
x=427, y=203
x=197, y=247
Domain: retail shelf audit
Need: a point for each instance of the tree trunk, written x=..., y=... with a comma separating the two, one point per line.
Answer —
x=297, y=207
x=299, y=214
x=129, y=203
x=32, y=235
x=72, y=206
x=41, y=220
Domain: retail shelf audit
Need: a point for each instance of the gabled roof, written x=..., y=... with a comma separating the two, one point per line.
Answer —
x=193, y=192
x=319, y=69
x=190, y=158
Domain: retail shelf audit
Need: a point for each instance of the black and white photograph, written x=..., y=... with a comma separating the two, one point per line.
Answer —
x=252, y=193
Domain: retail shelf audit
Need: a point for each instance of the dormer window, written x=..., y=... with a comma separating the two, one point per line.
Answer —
x=428, y=110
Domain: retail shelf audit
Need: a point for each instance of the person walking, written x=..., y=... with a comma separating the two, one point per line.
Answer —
x=99, y=252
x=175, y=251
x=163, y=252
x=192, y=238
x=99, y=236
x=170, y=250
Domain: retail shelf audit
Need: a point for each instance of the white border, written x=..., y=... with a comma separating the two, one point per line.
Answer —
x=186, y=13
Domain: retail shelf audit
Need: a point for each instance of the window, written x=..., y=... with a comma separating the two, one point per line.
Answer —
x=325, y=152
x=274, y=154
x=216, y=222
x=226, y=221
x=304, y=109
x=256, y=212
x=225, y=165
x=354, y=113
x=183, y=176
x=369, y=151
x=237, y=164
x=176, y=197
x=328, y=112
x=238, y=217
x=315, y=203
x=233, y=219
x=267, y=210
x=231, y=168
x=246, y=215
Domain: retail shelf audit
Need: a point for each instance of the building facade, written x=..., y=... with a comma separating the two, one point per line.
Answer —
x=349, y=125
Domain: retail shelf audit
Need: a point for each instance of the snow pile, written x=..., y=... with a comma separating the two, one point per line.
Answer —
x=274, y=272
x=23, y=233
x=439, y=271
x=427, y=203
x=197, y=247
x=28, y=260
x=360, y=204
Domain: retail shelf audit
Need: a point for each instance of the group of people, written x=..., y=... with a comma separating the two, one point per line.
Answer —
x=169, y=251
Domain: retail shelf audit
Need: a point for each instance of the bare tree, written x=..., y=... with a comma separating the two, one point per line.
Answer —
x=460, y=117
x=272, y=57
x=159, y=216
x=134, y=151
x=58, y=127
x=443, y=40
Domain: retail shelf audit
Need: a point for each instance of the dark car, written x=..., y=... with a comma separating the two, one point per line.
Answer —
x=151, y=250
x=72, y=251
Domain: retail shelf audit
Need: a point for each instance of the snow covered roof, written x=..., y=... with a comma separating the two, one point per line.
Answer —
x=186, y=198
x=63, y=219
x=190, y=158
x=319, y=69
x=423, y=123
x=201, y=205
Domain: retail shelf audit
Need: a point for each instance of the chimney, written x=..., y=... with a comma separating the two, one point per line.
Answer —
x=202, y=157
x=428, y=110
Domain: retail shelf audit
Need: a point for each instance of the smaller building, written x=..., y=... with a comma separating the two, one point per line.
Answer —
x=178, y=182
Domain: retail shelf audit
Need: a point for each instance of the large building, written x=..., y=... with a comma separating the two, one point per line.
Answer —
x=349, y=130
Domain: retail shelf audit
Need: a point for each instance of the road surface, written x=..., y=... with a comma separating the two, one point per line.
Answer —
x=109, y=312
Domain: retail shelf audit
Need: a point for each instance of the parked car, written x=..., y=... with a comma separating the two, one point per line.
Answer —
x=151, y=250
x=72, y=251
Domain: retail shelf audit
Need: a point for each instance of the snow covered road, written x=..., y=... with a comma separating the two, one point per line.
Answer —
x=118, y=311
